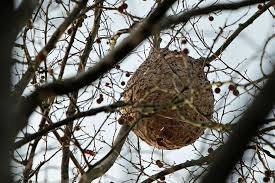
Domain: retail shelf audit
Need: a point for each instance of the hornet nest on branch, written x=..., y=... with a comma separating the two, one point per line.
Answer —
x=172, y=96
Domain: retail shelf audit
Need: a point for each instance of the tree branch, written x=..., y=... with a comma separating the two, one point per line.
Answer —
x=184, y=17
x=242, y=133
x=24, y=81
x=107, y=162
x=27, y=106
x=237, y=32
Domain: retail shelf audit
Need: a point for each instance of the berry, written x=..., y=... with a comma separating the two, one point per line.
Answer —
x=231, y=87
x=127, y=74
x=77, y=128
x=211, y=18
x=267, y=173
x=240, y=180
x=63, y=139
x=89, y=152
x=120, y=121
x=70, y=31
x=210, y=150
x=99, y=100
x=266, y=179
x=98, y=40
x=162, y=178
x=85, y=16
x=236, y=92
x=184, y=41
x=260, y=7
x=124, y=6
x=122, y=83
x=117, y=66
x=185, y=51
x=159, y=163
x=217, y=90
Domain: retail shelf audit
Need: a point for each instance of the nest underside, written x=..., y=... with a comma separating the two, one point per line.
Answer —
x=179, y=95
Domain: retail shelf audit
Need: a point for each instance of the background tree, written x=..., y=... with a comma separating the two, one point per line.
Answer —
x=64, y=67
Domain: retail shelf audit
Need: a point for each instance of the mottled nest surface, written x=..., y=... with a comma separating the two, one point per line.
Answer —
x=177, y=86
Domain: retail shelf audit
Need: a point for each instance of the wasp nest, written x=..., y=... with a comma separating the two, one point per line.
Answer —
x=171, y=93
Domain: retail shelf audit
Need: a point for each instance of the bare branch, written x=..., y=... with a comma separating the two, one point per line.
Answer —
x=26, y=106
x=198, y=162
x=24, y=81
x=184, y=17
x=107, y=162
x=237, y=32
x=242, y=133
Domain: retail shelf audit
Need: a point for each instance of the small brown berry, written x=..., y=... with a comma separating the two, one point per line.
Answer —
x=266, y=179
x=217, y=90
x=162, y=178
x=122, y=83
x=159, y=163
x=210, y=150
x=98, y=40
x=120, y=9
x=77, y=128
x=127, y=74
x=99, y=100
x=184, y=41
x=89, y=152
x=236, y=92
x=240, y=180
x=185, y=51
x=120, y=121
x=70, y=31
x=63, y=139
x=85, y=16
x=117, y=66
x=124, y=5
x=231, y=87
x=267, y=173
x=260, y=6
x=211, y=18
